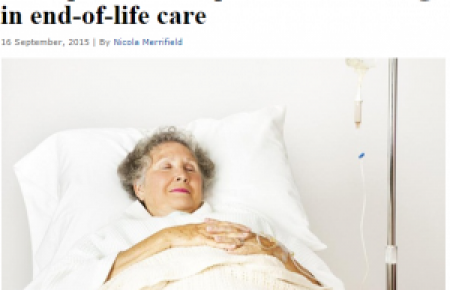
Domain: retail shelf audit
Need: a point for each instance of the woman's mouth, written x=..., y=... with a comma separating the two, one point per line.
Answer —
x=184, y=190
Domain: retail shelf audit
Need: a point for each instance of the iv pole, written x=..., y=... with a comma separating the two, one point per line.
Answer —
x=391, y=249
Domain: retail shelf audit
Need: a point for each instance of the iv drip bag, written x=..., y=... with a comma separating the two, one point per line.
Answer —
x=361, y=66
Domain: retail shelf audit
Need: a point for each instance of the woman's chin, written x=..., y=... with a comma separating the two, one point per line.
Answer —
x=186, y=206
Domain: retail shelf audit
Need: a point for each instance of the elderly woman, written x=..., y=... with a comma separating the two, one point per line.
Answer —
x=167, y=173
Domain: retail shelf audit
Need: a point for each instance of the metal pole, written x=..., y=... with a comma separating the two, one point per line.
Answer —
x=391, y=249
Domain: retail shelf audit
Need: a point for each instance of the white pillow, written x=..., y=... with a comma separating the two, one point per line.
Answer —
x=71, y=188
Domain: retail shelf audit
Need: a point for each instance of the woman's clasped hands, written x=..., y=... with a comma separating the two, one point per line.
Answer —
x=214, y=233
x=232, y=237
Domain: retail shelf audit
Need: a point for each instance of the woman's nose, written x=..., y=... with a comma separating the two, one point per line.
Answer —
x=181, y=178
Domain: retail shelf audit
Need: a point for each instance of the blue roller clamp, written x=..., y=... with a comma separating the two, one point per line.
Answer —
x=361, y=155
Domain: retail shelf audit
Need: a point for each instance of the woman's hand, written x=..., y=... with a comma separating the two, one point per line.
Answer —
x=252, y=247
x=218, y=234
x=213, y=233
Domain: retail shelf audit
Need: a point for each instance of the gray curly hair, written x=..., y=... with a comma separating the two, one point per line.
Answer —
x=133, y=168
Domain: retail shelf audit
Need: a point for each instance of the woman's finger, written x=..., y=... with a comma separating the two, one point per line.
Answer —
x=223, y=229
x=196, y=235
x=230, y=224
x=240, y=236
x=221, y=245
x=214, y=222
x=228, y=228
x=229, y=240
x=229, y=235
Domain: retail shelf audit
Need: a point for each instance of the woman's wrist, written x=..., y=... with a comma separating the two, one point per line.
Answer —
x=282, y=253
x=278, y=253
x=166, y=239
x=292, y=265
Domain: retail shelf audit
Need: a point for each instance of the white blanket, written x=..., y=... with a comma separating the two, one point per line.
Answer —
x=88, y=264
x=208, y=268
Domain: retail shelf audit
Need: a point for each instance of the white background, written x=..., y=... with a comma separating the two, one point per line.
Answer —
x=257, y=29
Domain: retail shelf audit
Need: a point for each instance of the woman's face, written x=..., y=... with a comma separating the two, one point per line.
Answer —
x=172, y=182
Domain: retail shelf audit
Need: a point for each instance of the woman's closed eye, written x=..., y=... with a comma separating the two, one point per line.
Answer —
x=166, y=166
x=190, y=168
x=169, y=166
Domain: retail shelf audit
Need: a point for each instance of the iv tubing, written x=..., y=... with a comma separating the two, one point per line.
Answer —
x=366, y=259
x=361, y=225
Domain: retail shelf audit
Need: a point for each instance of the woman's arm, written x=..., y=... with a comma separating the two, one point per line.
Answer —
x=150, y=246
x=218, y=234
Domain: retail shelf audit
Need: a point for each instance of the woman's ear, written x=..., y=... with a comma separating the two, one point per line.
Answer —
x=138, y=190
